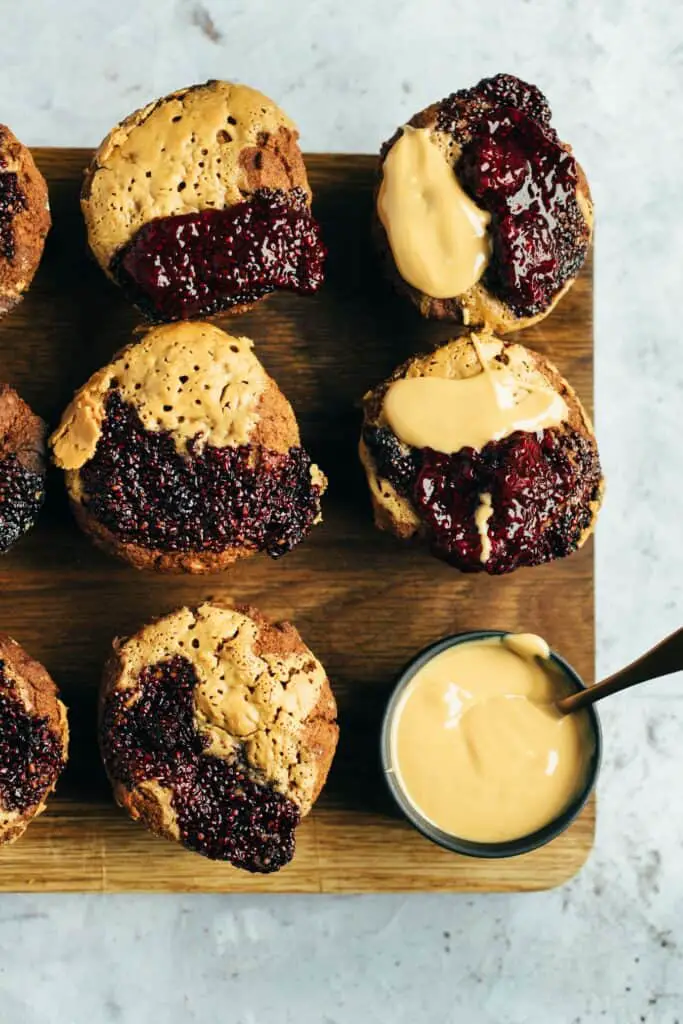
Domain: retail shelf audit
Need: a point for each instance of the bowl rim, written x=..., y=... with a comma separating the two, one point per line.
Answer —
x=466, y=847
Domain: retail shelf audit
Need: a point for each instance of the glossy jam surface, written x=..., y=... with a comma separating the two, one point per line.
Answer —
x=222, y=812
x=195, y=264
x=527, y=183
x=513, y=166
x=30, y=754
x=12, y=201
x=145, y=492
x=22, y=493
x=541, y=488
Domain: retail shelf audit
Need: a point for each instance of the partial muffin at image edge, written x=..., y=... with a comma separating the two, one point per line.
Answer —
x=483, y=451
x=199, y=202
x=483, y=216
x=34, y=737
x=183, y=455
x=24, y=219
x=22, y=467
x=217, y=731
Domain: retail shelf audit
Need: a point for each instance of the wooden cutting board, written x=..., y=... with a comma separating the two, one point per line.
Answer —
x=362, y=602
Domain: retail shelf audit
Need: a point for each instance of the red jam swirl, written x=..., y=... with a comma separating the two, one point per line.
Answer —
x=527, y=183
x=514, y=167
x=196, y=264
x=542, y=486
x=223, y=812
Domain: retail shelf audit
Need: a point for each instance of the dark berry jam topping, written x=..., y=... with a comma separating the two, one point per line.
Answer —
x=30, y=754
x=541, y=486
x=12, y=201
x=527, y=182
x=22, y=493
x=461, y=112
x=514, y=167
x=195, y=264
x=223, y=811
x=145, y=492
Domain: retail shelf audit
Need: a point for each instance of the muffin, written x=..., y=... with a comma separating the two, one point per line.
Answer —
x=199, y=202
x=183, y=455
x=24, y=219
x=483, y=215
x=34, y=738
x=484, y=451
x=22, y=467
x=217, y=730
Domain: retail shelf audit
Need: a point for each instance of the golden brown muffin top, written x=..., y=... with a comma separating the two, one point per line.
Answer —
x=22, y=433
x=190, y=379
x=207, y=146
x=477, y=305
x=458, y=359
x=261, y=693
x=29, y=224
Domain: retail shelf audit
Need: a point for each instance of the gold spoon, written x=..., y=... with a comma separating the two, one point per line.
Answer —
x=663, y=659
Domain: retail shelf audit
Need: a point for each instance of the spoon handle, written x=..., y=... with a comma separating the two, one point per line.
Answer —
x=663, y=659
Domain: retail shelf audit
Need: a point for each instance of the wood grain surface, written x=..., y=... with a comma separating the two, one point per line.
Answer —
x=363, y=603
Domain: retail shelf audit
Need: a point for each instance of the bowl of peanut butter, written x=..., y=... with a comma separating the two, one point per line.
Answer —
x=475, y=751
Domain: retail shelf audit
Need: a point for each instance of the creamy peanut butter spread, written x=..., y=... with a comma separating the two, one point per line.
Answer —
x=481, y=520
x=479, y=746
x=438, y=236
x=255, y=703
x=447, y=412
x=190, y=379
x=177, y=155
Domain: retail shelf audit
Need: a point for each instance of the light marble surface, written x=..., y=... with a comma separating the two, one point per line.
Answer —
x=608, y=946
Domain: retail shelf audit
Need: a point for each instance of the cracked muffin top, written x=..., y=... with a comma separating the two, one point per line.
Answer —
x=24, y=219
x=485, y=451
x=33, y=738
x=22, y=467
x=217, y=730
x=483, y=214
x=183, y=454
x=199, y=202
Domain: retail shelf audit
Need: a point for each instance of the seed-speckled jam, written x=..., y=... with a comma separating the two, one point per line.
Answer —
x=542, y=487
x=30, y=754
x=145, y=492
x=196, y=264
x=12, y=201
x=461, y=112
x=513, y=166
x=22, y=493
x=224, y=812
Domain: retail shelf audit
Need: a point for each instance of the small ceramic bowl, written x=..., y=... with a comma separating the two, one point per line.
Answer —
x=509, y=848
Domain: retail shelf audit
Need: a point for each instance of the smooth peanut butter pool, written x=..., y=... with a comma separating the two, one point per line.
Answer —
x=478, y=745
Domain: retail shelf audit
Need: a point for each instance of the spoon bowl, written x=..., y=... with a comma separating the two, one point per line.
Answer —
x=511, y=847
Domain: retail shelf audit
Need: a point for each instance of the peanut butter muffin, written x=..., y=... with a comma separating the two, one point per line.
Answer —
x=22, y=467
x=183, y=455
x=483, y=214
x=484, y=451
x=34, y=737
x=199, y=202
x=24, y=219
x=217, y=730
